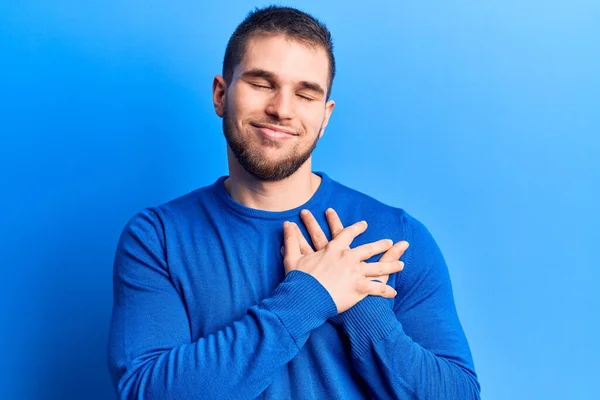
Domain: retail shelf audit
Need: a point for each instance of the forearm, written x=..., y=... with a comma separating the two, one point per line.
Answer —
x=393, y=365
x=238, y=361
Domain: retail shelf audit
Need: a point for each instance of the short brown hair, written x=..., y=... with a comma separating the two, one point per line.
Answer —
x=291, y=22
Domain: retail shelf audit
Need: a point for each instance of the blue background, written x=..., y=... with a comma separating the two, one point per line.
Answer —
x=479, y=118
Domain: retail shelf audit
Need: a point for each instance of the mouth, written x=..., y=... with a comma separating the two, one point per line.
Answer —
x=273, y=132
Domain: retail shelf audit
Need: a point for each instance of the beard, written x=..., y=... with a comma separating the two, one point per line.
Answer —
x=254, y=162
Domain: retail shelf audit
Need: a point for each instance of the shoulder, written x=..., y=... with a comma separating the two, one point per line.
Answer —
x=354, y=202
x=393, y=221
x=188, y=203
x=154, y=221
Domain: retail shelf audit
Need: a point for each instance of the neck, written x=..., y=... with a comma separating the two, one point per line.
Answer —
x=282, y=195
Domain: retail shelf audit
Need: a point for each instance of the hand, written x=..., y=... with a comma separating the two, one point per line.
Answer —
x=376, y=271
x=337, y=267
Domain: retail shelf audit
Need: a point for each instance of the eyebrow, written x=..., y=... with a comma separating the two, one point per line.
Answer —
x=315, y=87
x=261, y=73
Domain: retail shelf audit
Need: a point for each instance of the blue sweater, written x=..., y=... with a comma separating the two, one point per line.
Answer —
x=203, y=310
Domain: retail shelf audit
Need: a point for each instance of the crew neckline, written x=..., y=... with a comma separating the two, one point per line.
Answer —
x=317, y=198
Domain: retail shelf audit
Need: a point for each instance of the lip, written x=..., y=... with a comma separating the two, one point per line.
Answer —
x=273, y=132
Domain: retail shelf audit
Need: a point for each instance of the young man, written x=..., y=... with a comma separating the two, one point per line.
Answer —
x=219, y=295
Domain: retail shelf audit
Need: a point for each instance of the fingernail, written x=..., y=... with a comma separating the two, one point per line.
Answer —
x=304, y=212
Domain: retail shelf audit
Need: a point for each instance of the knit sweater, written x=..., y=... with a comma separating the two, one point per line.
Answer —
x=203, y=309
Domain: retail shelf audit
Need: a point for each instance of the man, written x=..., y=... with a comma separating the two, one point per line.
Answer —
x=218, y=294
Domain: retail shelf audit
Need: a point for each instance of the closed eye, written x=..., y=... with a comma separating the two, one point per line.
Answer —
x=305, y=97
x=256, y=85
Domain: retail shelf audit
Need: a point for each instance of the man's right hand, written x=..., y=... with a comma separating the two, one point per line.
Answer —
x=340, y=269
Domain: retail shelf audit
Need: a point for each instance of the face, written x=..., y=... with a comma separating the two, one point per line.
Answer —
x=274, y=109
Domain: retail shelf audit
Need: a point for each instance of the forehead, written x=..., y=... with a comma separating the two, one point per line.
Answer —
x=287, y=58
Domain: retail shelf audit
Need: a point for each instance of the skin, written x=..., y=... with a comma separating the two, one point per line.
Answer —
x=375, y=271
x=281, y=84
x=341, y=270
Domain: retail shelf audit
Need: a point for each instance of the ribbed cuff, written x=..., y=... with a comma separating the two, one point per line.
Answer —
x=370, y=320
x=302, y=304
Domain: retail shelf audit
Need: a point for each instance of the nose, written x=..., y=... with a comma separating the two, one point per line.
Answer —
x=281, y=105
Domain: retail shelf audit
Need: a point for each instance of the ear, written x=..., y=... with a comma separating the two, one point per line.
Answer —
x=219, y=93
x=329, y=106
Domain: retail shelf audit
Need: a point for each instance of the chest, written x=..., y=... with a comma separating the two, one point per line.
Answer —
x=224, y=271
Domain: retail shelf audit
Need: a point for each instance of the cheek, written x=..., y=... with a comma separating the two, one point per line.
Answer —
x=245, y=101
x=313, y=119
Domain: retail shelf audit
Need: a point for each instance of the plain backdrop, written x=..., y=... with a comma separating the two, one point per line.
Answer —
x=481, y=119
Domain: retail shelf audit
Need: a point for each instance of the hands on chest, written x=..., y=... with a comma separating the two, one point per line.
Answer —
x=341, y=270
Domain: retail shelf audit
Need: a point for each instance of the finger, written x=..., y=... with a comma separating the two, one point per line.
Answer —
x=305, y=247
x=373, y=288
x=348, y=234
x=382, y=268
x=395, y=252
x=292, y=246
x=314, y=230
x=380, y=278
x=366, y=251
x=334, y=222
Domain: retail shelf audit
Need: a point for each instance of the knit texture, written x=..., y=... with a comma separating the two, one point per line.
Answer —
x=203, y=310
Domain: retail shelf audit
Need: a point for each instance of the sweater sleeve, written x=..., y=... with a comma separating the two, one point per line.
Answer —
x=417, y=349
x=150, y=352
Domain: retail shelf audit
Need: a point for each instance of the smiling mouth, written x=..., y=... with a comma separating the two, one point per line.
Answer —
x=273, y=133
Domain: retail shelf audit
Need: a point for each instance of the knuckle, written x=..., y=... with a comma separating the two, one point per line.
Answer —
x=304, y=250
x=361, y=287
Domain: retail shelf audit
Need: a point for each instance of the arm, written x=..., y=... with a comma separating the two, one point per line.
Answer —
x=418, y=350
x=151, y=355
